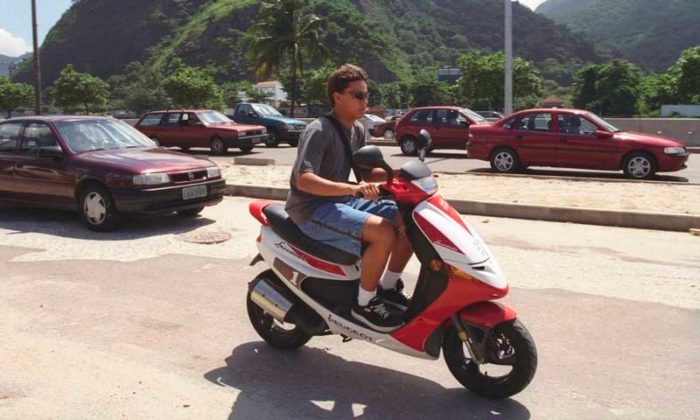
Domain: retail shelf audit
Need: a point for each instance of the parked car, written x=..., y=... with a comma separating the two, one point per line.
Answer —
x=101, y=167
x=369, y=121
x=279, y=128
x=448, y=126
x=385, y=129
x=199, y=128
x=490, y=115
x=572, y=138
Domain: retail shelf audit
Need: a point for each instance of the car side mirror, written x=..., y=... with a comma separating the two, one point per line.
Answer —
x=51, y=152
x=601, y=134
x=370, y=157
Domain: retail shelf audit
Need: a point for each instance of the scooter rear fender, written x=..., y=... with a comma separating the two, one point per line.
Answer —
x=487, y=314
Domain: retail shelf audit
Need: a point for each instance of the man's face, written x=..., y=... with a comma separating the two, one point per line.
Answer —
x=353, y=100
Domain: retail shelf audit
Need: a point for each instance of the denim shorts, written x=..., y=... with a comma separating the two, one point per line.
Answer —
x=339, y=224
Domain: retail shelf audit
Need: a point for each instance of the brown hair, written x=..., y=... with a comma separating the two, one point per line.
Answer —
x=342, y=77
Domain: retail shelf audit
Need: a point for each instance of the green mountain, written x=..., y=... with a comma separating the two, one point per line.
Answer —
x=650, y=33
x=392, y=39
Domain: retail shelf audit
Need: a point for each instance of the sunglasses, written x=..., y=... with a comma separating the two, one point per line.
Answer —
x=359, y=95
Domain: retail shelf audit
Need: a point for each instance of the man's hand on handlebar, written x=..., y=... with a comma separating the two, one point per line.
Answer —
x=366, y=190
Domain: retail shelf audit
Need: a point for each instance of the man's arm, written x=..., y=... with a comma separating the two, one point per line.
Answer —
x=376, y=175
x=316, y=185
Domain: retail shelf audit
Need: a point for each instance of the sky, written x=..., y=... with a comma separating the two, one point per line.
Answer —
x=16, y=22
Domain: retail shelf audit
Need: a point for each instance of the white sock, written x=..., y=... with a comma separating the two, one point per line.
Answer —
x=364, y=296
x=389, y=280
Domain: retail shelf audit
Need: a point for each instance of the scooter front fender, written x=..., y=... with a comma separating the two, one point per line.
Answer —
x=487, y=314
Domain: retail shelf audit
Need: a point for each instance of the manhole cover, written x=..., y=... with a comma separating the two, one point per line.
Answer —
x=206, y=238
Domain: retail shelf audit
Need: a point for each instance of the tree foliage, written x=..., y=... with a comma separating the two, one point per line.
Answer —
x=73, y=89
x=285, y=32
x=139, y=89
x=482, y=82
x=14, y=95
x=193, y=87
x=608, y=89
x=686, y=73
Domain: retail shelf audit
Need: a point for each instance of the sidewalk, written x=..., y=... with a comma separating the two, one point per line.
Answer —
x=630, y=204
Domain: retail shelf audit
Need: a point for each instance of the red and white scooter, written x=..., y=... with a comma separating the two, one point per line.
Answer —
x=309, y=288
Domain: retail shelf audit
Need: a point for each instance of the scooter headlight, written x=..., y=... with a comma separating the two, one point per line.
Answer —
x=427, y=184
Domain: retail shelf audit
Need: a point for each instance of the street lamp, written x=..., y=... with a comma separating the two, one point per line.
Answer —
x=37, y=65
x=508, y=99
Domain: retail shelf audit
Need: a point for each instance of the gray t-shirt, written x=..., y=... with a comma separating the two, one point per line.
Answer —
x=321, y=152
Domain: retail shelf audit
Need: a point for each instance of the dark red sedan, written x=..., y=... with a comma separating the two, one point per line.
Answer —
x=102, y=167
x=572, y=138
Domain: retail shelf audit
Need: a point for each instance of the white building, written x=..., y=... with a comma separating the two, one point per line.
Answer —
x=274, y=91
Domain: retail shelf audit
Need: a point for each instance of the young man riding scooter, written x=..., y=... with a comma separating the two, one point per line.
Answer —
x=328, y=208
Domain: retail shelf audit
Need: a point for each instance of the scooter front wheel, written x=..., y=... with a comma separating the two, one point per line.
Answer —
x=275, y=333
x=511, y=361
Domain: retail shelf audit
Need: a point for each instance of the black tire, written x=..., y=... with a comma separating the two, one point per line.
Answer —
x=246, y=149
x=190, y=212
x=505, y=160
x=267, y=327
x=508, y=336
x=293, y=142
x=273, y=138
x=96, y=207
x=639, y=165
x=408, y=146
x=217, y=146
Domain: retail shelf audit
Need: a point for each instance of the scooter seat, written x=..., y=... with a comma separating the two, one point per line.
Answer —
x=283, y=226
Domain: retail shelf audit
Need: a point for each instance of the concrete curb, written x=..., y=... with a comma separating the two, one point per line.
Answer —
x=639, y=220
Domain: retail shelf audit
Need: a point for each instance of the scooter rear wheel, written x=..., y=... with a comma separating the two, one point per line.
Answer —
x=509, y=346
x=275, y=333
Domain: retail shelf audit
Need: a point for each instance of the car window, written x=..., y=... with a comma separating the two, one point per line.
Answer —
x=511, y=123
x=36, y=136
x=448, y=117
x=173, y=118
x=98, y=134
x=574, y=124
x=151, y=119
x=9, y=133
x=422, y=116
x=472, y=115
x=535, y=122
x=213, y=117
x=244, y=110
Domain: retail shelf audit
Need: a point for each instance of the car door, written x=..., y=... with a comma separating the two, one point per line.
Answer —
x=451, y=128
x=9, y=138
x=42, y=179
x=534, y=139
x=580, y=147
x=422, y=119
x=244, y=114
x=169, y=129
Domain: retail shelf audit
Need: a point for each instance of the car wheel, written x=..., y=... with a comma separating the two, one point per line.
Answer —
x=218, y=146
x=156, y=140
x=505, y=160
x=293, y=142
x=639, y=165
x=190, y=212
x=246, y=149
x=408, y=146
x=389, y=135
x=97, y=209
x=273, y=138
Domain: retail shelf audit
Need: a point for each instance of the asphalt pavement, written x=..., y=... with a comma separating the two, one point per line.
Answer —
x=144, y=323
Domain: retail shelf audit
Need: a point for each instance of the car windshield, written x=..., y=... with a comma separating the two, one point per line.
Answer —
x=601, y=122
x=266, y=110
x=472, y=115
x=213, y=117
x=99, y=134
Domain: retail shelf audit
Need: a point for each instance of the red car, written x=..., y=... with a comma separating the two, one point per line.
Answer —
x=572, y=138
x=102, y=167
x=448, y=127
x=200, y=128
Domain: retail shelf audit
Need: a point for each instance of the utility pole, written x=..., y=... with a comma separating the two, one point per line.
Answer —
x=508, y=99
x=37, y=65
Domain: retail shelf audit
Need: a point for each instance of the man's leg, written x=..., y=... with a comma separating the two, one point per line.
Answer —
x=380, y=236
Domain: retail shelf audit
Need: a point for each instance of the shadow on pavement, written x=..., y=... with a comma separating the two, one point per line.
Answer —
x=67, y=224
x=312, y=383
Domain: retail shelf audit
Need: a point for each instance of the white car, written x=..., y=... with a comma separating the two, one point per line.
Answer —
x=369, y=121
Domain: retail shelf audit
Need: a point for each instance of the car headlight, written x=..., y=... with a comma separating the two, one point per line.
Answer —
x=676, y=151
x=151, y=179
x=213, y=172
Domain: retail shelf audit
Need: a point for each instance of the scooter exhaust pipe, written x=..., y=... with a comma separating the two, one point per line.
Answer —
x=272, y=301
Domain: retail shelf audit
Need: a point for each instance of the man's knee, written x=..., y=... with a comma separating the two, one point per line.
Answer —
x=379, y=230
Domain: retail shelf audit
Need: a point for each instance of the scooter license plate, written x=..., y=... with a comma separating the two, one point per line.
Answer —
x=197, y=191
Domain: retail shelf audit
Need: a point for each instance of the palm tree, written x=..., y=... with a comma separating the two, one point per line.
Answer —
x=284, y=30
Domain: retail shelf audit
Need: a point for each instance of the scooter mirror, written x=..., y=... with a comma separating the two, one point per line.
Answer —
x=423, y=143
x=370, y=157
